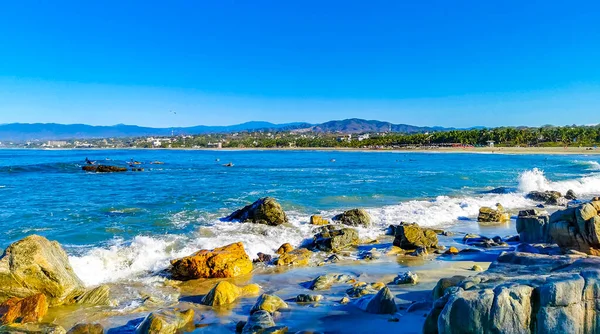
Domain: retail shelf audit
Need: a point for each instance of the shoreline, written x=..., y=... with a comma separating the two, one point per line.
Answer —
x=450, y=150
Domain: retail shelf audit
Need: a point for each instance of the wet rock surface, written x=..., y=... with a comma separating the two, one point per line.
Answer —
x=264, y=211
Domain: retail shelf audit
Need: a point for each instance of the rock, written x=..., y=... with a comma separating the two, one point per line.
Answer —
x=570, y=195
x=451, y=251
x=476, y=267
x=318, y=220
x=354, y=217
x=421, y=251
x=264, y=211
x=547, y=197
x=297, y=257
x=285, y=248
x=533, y=226
x=96, y=296
x=382, y=303
x=258, y=322
x=362, y=289
x=419, y=306
x=23, y=310
x=86, y=329
x=239, y=326
x=345, y=300
x=444, y=284
x=262, y=258
x=411, y=236
x=224, y=293
x=32, y=328
x=407, y=278
x=165, y=322
x=523, y=293
x=35, y=265
x=330, y=239
x=103, y=168
x=269, y=303
x=324, y=282
x=577, y=228
x=489, y=215
x=513, y=238
x=372, y=254
x=526, y=248
x=304, y=298
x=222, y=262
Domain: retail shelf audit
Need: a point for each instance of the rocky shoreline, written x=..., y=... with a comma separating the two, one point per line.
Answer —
x=545, y=279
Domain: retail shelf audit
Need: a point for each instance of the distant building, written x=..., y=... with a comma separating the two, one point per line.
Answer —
x=215, y=145
x=363, y=137
x=490, y=143
x=56, y=143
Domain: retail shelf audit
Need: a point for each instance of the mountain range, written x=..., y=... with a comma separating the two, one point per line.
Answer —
x=53, y=131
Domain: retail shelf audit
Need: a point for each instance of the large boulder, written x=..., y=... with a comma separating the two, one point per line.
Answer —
x=523, y=293
x=491, y=215
x=222, y=262
x=332, y=239
x=411, y=236
x=547, y=197
x=165, y=322
x=269, y=303
x=36, y=265
x=354, y=217
x=264, y=211
x=224, y=293
x=577, y=228
x=23, y=310
x=296, y=257
x=533, y=226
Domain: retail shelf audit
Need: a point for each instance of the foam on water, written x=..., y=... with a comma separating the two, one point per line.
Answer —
x=535, y=180
x=590, y=164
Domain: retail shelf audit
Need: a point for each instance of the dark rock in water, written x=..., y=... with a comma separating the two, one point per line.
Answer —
x=258, y=322
x=304, y=298
x=548, y=197
x=527, y=248
x=240, y=326
x=514, y=238
x=497, y=239
x=523, y=293
x=533, y=226
x=36, y=265
x=411, y=237
x=103, y=168
x=382, y=303
x=86, y=329
x=331, y=239
x=264, y=211
x=570, y=195
x=354, y=217
x=263, y=258
x=324, y=282
x=499, y=190
x=165, y=321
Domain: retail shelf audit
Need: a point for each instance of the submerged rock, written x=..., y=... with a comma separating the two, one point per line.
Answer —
x=264, y=211
x=23, y=310
x=103, y=168
x=35, y=265
x=324, y=282
x=304, y=298
x=224, y=293
x=86, y=329
x=547, y=197
x=165, y=322
x=318, y=220
x=354, y=217
x=331, y=239
x=382, y=303
x=362, y=289
x=222, y=262
x=269, y=303
x=32, y=328
x=296, y=257
x=411, y=237
x=259, y=322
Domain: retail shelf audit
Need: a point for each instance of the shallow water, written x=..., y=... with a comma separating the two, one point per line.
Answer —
x=127, y=226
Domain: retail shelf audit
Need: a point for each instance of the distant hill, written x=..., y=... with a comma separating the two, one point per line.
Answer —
x=48, y=131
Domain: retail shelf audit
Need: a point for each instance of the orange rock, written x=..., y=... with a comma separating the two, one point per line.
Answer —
x=285, y=248
x=222, y=262
x=23, y=310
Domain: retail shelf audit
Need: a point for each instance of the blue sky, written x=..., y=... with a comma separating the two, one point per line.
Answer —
x=449, y=63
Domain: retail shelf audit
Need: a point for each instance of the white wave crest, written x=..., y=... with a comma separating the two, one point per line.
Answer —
x=591, y=164
x=535, y=180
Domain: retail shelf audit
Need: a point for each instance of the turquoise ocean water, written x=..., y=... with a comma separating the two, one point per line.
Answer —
x=128, y=225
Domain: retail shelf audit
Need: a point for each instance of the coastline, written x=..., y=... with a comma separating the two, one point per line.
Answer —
x=472, y=150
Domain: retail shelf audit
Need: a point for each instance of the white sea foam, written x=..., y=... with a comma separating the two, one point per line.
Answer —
x=535, y=180
x=591, y=164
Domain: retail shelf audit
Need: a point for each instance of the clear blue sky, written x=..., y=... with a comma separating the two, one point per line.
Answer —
x=449, y=63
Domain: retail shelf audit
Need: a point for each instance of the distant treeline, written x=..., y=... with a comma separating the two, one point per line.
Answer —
x=505, y=136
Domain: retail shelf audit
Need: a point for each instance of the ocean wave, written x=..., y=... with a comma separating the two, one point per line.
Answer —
x=590, y=164
x=536, y=180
